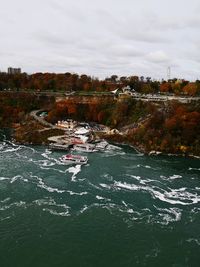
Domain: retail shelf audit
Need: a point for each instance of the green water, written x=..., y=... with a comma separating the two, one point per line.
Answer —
x=121, y=209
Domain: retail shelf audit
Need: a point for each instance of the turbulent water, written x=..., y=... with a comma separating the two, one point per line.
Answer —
x=121, y=209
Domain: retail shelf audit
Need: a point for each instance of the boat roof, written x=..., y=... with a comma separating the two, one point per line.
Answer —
x=82, y=131
x=74, y=156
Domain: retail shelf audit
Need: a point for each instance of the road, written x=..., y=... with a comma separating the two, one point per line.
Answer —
x=136, y=96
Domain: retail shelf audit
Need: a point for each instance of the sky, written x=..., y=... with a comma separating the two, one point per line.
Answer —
x=102, y=37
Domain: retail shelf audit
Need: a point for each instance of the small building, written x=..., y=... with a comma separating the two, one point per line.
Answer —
x=127, y=89
x=14, y=70
x=68, y=124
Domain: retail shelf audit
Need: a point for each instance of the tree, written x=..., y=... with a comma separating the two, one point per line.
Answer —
x=114, y=78
x=190, y=89
x=165, y=87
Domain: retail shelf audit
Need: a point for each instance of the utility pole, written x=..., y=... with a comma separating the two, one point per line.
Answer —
x=168, y=73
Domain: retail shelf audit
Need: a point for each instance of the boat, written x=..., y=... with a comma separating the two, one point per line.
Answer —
x=73, y=159
x=58, y=146
x=84, y=147
x=102, y=145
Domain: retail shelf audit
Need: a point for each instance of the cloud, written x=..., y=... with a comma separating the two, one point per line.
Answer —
x=101, y=37
x=158, y=57
x=125, y=50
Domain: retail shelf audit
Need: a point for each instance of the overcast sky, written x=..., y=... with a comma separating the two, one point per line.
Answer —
x=102, y=37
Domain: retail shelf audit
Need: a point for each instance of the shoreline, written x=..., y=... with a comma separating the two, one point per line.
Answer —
x=110, y=138
x=137, y=149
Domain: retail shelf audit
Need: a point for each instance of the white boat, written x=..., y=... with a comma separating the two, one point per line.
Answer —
x=101, y=145
x=85, y=147
x=82, y=131
x=74, y=159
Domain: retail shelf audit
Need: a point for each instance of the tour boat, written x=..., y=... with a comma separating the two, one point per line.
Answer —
x=58, y=146
x=84, y=147
x=74, y=159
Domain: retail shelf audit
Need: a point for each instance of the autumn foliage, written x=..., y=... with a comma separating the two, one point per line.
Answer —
x=67, y=82
x=14, y=106
x=175, y=130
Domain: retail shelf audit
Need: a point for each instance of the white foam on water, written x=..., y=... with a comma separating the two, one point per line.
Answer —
x=50, y=189
x=85, y=207
x=175, y=176
x=195, y=240
x=4, y=178
x=195, y=210
x=107, y=176
x=124, y=185
x=6, y=218
x=15, y=178
x=176, y=197
x=139, y=154
x=5, y=200
x=47, y=154
x=42, y=185
x=1, y=146
x=102, y=198
x=77, y=194
x=136, y=177
x=28, y=148
x=113, y=147
x=195, y=169
x=15, y=204
x=131, y=167
x=50, y=205
x=50, y=202
x=105, y=186
x=147, y=167
x=93, y=185
x=173, y=196
x=169, y=215
x=46, y=163
x=74, y=170
x=125, y=209
x=50, y=160
x=53, y=212
x=128, y=210
x=21, y=156
x=112, y=150
x=54, y=169
x=99, y=197
x=123, y=202
x=11, y=149
x=139, y=179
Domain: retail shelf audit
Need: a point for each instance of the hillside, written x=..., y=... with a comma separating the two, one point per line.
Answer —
x=168, y=127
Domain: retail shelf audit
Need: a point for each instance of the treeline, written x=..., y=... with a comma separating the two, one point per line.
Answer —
x=15, y=105
x=73, y=82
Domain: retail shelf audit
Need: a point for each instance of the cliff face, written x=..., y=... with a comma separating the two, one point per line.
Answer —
x=168, y=127
x=109, y=110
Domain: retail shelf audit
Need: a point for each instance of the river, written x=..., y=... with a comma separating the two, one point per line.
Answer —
x=121, y=209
